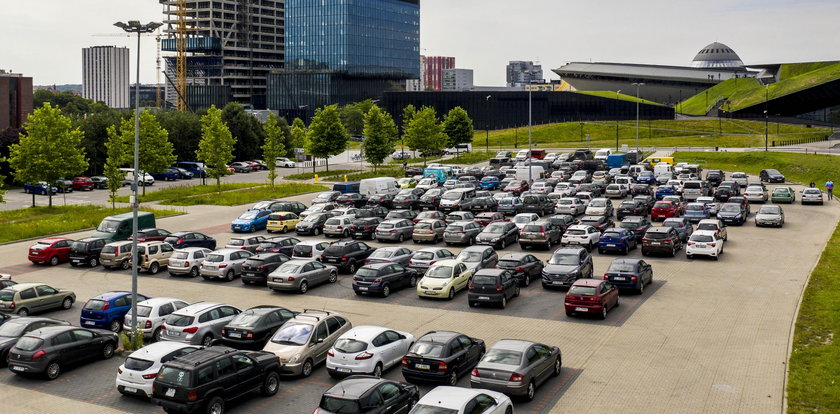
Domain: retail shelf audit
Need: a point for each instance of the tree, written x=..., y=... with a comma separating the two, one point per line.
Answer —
x=118, y=154
x=298, y=136
x=215, y=149
x=423, y=133
x=327, y=135
x=95, y=127
x=458, y=127
x=156, y=152
x=273, y=146
x=71, y=104
x=246, y=130
x=184, y=129
x=49, y=149
x=408, y=114
x=381, y=133
x=353, y=119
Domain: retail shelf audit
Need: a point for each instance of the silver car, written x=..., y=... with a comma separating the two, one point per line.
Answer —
x=461, y=232
x=394, y=230
x=459, y=216
x=224, y=264
x=249, y=243
x=338, y=226
x=187, y=261
x=756, y=193
x=318, y=208
x=478, y=257
x=569, y=205
x=199, y=323
x=770, y=215
x=392, y=254
x=151, y=314
x=600, y=207
x=423, y=258
x=429, y=230
x=298, y=275
x=533, y=362
x=812, y=196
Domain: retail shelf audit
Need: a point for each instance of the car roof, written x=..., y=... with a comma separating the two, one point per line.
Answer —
x=158, y=301
x=364, y=333
x=158, y=349
x=490, y=272
x=311, y=242
x=660, y=229
x=431, y=249
x=513, y=344
x=626, y=260
x=191, y=249
x=22, y=286
x=579, y=227
x=438, y=336
x=225, y=251
x=703, y=233
x=452, y=397
x=377, y=265
x=588, y=282
x=53, y=239
x=111, y=295
x=51, y=330
x=354, y=387
x=476, y=248
x=447, y=262
x=197, y=308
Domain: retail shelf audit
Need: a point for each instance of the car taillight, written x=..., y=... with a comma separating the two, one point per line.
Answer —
x=499, y=288
x=223, y=265
x=150, y=376
x=606, y=276
x=291, y=279
x=340, y=227
x=191, y=330
x=249, y=335
x=119, y=371
x=243, y=248
x=344, y=258
x=393, y=231
x=162, y=327
x=107, y=306
x=363, y=356
x=330, y=353
x=432, y=262
x=633, y=278
x=12, y=305
x=262, y=267
x=148, y=325
x=192, y=396
x=475, y=372
x=186, y=264
x=39, y=354
x=712, y=244
x=405, y=361
x=442, y=366
x=516, y=378
x=179, y=241
x=645, y=239
x=691, y=243
x=667, y=240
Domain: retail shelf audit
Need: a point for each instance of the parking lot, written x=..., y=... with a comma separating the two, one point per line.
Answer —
x=707, y=336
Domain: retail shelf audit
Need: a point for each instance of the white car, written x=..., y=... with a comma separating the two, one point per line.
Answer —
x=755, y=193
x=812, y=196
x=542, y=188
x=581, y=235
x=569, y=205
x=740, y=178
x=522, y=219
x=714, y=225
x=603, y=154
x=136, y=375
x=285, y=162
x=585, y=197
x=704, y=243
x=427, y=183
x=522, y=155
x=678, y=185
x=187, y=261
x=150, y=315
x=457, y=400
x=566, y=189
x=367, y=350
x=309, y=249
x=599, y=207
x=616, y=191
x=711, y=203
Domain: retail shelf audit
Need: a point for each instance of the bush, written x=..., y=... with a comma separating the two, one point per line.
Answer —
x=133, y=341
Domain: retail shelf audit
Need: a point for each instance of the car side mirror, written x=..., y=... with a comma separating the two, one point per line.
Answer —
x=320, y=340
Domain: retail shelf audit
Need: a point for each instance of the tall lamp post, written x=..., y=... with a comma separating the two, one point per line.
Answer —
x=487, y=125
x=134, y=26
x=618, y=92
x=766, y=114
x=638, y=86
x=530, y=121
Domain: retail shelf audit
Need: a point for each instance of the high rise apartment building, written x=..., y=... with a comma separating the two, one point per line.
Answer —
x=15, y=99
x=431, y=75
x=521, y=73
x=457, y=79
x=105, y=75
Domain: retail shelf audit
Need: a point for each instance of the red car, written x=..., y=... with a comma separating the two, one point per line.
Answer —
x=664, y=209
x=255, y=166
x=147, y=235
x=82, y=184
x=516, y=187
x=490, y=217
x=591, y=297
x=537, y=154
x=52, y=250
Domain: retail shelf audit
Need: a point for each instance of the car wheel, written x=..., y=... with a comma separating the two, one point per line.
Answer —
x=527, y=281
x=271, y=384
x=673, y=251
x=530, y=392
x=377, y=370
x=509, y=410
x=67, y=303
x=352, y=266
x=451, y=293
x=472, y=304
x=688, y=256
x=207, y=340
x=115, y=325
x=229, y=275
x=517, y=291
x=154, y=268
x=156, y=335
x=346, y=233
x=307, y=368
x=23, y=312
x=386, y=291
x=715, y=257
x=108, y=350
x=304, y=287
x=333, y=277
x=604, y=312
x=126, y=264
x=558, y=365
x=502, y=245
x=194, y=272
x=503, y=303
x=93, y=262
x=53, y=370
x=53, y=260
x=284, y=231
x=453, y=378
x=216, y=405
x=601, y=251
x=316, y=232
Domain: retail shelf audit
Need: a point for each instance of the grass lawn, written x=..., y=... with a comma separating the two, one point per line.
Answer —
x=813, y=382
x=250, y=195
x=800, y=168
x=620, y=96
x=474, y=157
x=321, y=174
x=381, y=172
x=187, y=191
x=32, y=222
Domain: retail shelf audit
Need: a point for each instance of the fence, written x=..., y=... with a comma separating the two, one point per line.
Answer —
x=798, y=141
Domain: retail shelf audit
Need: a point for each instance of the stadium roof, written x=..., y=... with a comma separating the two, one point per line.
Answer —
x=642, y=71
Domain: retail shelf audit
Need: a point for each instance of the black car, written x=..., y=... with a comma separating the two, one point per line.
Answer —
x=566, y=266
x=482, y=204
x=384, y=200
x=498, y=234
x=182, y=173
x=401, y=214
x=313, y=224
x=524, y=266
x=362, y=394
x=347, y=255
x=442, y=356
x=14, y=327
x=205, y=380
x=661, y=240
x=637, y=224
x=86, y=251
x=631, y=208
x=352, y=199
x=383, y=278
x=732, y=213
x=326, y=197
x=715, y=177
x=640, y=189
x=407, y=201
x=283, y=245
x=771, y=176
x=647, y=200
x=431, y=199
x=256, y=268
x=630, y=274
x=364, y=228
x=278, y=206
x=591, y=188
x=374, y=211
x=562, y=220
x=252, y=328
x=99, y=182
x=182, y=239
x=48, y=350
x=726, y=189
x=492, y=286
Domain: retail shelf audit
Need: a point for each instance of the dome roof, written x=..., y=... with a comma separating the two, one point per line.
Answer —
x=717, y=55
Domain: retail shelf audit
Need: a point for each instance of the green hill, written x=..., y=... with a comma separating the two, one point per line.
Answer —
x=620, y=96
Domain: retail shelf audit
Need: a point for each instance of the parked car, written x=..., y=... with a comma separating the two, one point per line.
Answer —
x=224, y=264
x=298, y=275
x=137, y=374
x=599, y=207
x=591, y=297
x=714, y=225
x=82, y=184
x=444, y=279
x=423, y=258
x=52, y=250
x=26, y=298
x=771, y=176
x=86, y=251
x=661, y=240
x=441, y=356
x=492, y=286
x=394, y=230
x=250, y=221
x=489, y=183
x=524, y=267
x=704, y=243
x=628, y=273
x=352, y=199
x=384, y=200
x=536, y=203
x=695, y=212
x=187, y=261
x=428, y=230
x=663, y=210
x=347, y=255
x=150, y=315
x=369, y=350
x=567, y=265
x=457, y=400
x=569, y=205
x=44, y=351
x=281, y=244
x=41, y=187
x=582, y=235
x=401, y=214
x=326, y=197
x=732, y=213
x=99, y=182
x=542, y=233
x=478, y=257
x=812, y=196
x=600, y=223
x=770, y=215
x=461, y=232
x=524, y=364
x=15, y=327
x=199, y=323
x=253, y=327
x=184, y=239
x=499, y=234
x=617, y=239
x=249, y=243
x=682, y=225
x=726, y=189
x=303, y=342
x=256, y=268
x=390, y=254
x=756, y=193
x=783, y=195
x=510, y=205
x=152, y=256
x=364, y=391
x=382, y=278
x=313, y=224
x=637, y=224
x=107, y=311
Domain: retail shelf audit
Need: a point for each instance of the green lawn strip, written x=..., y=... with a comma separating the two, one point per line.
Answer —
x=187, y=191
x=251, y=195
x=310, y=175
x=790, y=70
x=814, y=367
x=619, y=96
x=381, y=172
x=33, y=222
x=796, y=167
x=470, y=158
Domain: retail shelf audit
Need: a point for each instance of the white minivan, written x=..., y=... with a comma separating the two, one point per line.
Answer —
x=603, y=154
x=379, y=185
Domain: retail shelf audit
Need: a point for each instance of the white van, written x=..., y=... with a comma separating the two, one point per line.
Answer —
x=379, y=185
x=143, y=180
x=636, y=169
x=536, y=172
x=603, y=154
x=662, y=169
x=459, y=148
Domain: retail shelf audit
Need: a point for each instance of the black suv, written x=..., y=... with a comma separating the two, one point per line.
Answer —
x=364, y=228
x=537, y=203
x=347, y=255
x=727, y=189
x=661, y=240
x=714, y=177
x=369, y=395
x=567, y=265
x=256, y=268
x=86, y=251
x=631, y=208
x=205, y=380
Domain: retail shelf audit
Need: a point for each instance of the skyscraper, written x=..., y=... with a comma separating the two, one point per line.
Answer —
x=521, y=73
x=457, y=79
x=15, y=99
x=105, y=75
x=432, y=67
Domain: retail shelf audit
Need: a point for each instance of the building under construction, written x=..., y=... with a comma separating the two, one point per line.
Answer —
x=223, y=51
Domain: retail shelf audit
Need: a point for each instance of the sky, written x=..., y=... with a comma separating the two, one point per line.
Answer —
x=44, y=38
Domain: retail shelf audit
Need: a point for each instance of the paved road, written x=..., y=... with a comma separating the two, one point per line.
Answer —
x=707, y=337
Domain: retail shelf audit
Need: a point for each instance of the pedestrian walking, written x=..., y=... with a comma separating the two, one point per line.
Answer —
x=813, y=185
x=829, y=188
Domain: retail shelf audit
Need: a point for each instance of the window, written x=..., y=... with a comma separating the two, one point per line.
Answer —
x=380, y=340
x=320, y=333
x=242, y=362
x=45, y=290
x=63, y=338
x=542, y=350
x=375, y=400
x=120, y=302
x=465, y=342
x=389, y=391
x=333, y=325
x=225, y=367
x=455, y=347
x=27, y=294
x=166, y=309
x=153, y=249
x=198, y=255
x=483, y=402
x=227, y=311
x=206, y=374
x=166, y=248
x=392, y=336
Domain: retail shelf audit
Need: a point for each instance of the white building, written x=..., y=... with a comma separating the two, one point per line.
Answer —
x=105, y=75
x=457, y=79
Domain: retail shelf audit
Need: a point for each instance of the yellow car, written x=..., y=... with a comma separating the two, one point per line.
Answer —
x=282, y=221
x=444, y=279
x=407, y=182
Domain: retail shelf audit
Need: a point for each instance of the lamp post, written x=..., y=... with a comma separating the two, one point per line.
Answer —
x=616, y=121
x=638, y=86
x=134, y=26
x=766, y=114
x=530, y=119
x=487, y=125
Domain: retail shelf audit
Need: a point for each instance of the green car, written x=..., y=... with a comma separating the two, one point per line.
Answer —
x=26, y=298
x=783, y=195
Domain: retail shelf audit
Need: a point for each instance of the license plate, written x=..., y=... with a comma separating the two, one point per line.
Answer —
x=362, y=288
x=170, y=392
x=235, y=335
x=277, y=279
x=76, y=261
x=17, y=368
x=581, y=310
x=700, y=245
x=610, y=245
x=422, y=366
x=429, y=292
x=172, y=333
x=655, y=243
x=342, y=370
x=333, y=260
x=89, y=322
x=619, y=278
x=250, y=274
x=483, y=298
x=130, y=389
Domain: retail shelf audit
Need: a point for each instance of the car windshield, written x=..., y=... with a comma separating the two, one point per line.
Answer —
x=423, y=256
x=382, y=253
x=611, y=234
x=29, y=343
x=452, y=196
x=215, y=258
x=781, y=191
x=590, y=222
x=423, y=225
x=136, y=364
x=12, y=329
x=144, y=311
x=79, y=246
x=179, y=320
x=701, y=238
x=564, y=259
x=621, y=267
x=428, y=409
x=339, y=405
x=695, y=207
x=248, y=215
x=324, y=196
x=730, y=208
x=288, y=268
x=657, y=235
x=174, y=376
x=350, y=345
x=427, y=349
x=672, y=223
x=311, y=219
x=108, y=226
x=583, y=290
x=769, y=210
x=628, y=224
x=755, y=189
x=495, y=229
x=707, y=226
x=292, y=334
x=440, y=272
x=262, y=205
x=465, y=256
x=662, y=205
x=523, y=219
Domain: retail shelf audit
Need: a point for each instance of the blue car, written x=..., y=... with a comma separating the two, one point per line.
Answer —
x=510, y=205
x=646, y=177
x=695, y=212
x=250, y=221
x=106, y=311
x=617, y=239
x=170, y=174
x=629, y=274
x=732, y=213
x=665, y=190
x=489, y=183
x=40, y=187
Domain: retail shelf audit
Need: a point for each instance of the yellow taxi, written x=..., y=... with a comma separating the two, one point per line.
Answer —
x=444, y=279
x=282, y=221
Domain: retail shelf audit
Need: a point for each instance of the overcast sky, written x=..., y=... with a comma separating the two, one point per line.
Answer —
x=44, y=38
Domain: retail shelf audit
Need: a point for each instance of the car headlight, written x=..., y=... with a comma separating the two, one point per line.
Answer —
x=494, y=240
x=294, y=359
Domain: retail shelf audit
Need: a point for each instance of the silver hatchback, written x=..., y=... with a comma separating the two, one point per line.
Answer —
x=394, y=230
x=199, y=323
x=298, y=275
x=461, y=232
x=224, y=264
x=339, y=226
x=187, y=261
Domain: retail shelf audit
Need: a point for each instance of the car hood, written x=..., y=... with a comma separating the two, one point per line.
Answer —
x=434, y=282
x=283, y=352
x=768, y=217
x=489, y=236
x=560, y=269
x=728, y=213
x=472, y=265
x=240, y=221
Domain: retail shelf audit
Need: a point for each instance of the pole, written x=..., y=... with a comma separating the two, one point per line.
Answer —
x=638, y=86
x=136, y=202
x=766, y=115
x=530, y=120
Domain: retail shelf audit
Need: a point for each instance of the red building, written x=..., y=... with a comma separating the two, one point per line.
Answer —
x=15, y=100
x=432, y=66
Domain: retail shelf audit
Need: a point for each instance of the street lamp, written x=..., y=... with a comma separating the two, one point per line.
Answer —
x=530, y=121
x=618, y=92
x=134, y=26
x=638, y=86
x=487, y=125
x=766, y=114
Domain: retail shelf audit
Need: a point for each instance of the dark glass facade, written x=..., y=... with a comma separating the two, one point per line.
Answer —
x=354, y=36
x=311, y=90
